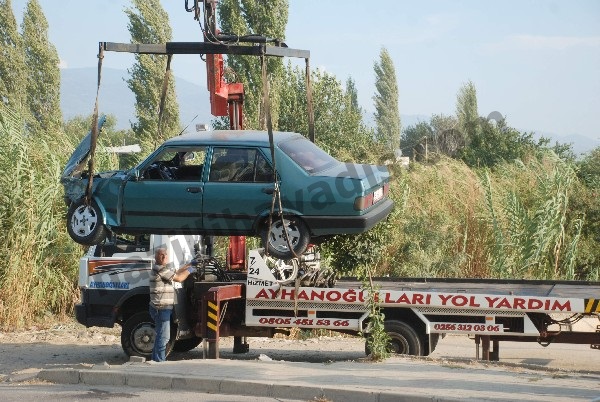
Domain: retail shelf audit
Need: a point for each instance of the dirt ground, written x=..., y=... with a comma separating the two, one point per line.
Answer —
x=69, y=344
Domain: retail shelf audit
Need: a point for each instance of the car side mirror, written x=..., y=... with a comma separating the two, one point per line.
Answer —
x=134, y=175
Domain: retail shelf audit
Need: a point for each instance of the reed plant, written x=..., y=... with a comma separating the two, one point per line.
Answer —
x=38, y=260
x=434, y=228
x=527, y=208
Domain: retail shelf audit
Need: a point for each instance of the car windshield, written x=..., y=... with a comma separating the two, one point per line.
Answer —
x=307, y=155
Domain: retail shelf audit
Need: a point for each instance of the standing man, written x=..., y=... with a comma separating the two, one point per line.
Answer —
x=162, y=299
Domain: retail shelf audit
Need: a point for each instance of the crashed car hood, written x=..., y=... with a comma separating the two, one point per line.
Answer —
x=81, y=153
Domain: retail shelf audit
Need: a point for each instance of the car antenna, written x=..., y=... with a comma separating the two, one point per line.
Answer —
x=185, y=128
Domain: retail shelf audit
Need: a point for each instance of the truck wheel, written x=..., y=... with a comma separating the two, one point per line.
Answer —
x=85, y=223
x=185, y=345
x=137, y=335
x=404, y=339
x=276, y=242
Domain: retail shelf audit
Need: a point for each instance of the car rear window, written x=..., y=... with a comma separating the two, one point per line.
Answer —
x=307, y=155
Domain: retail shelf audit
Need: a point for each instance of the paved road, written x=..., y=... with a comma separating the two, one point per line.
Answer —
x=36, y=391
x=330, y=368
x=398, y=378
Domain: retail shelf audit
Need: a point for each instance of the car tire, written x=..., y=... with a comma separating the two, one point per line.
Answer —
x=137, y=336
x=85, y=223
x=284, y=271
x=275, y=242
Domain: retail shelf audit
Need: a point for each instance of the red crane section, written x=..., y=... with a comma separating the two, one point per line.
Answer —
x=226, y=99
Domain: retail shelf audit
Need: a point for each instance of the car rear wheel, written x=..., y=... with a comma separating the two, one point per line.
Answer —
x=85, y=223
x=278, y=244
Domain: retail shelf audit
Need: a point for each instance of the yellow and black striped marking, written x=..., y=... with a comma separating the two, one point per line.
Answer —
x=212, y=319
x=592, y=305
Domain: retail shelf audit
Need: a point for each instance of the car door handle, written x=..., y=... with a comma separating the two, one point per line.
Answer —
x=268, y=190
x=193, y=189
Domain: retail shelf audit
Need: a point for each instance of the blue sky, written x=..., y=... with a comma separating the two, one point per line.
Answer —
x=536, y=62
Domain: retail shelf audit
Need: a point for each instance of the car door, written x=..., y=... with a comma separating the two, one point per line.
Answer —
x=167, y=195
x=238, y=189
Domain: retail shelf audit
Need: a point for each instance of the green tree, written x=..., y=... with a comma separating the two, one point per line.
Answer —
x=338, y=124
x=493, y=143
x=245, y=17
x=149, y=23
x=416, y=140
x=12, y=59
x=43, y=73
x=438, y=136
x=448, y=140
x=466, y=110
x=387, y=114
x=352, y=92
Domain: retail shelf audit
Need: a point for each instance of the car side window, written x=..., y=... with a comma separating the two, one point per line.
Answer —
x=239, y=165
x=180, y=164
x=264, y=171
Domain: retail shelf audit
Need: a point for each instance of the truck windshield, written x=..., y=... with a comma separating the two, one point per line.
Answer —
x=307, y=155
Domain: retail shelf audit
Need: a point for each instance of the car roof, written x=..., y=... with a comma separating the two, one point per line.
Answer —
x=232, y=137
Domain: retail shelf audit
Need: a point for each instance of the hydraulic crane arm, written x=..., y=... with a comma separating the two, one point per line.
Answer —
x=226, y=99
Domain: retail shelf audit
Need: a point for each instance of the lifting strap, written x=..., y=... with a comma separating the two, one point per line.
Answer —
x=94, y=137
x=277, y=191
x=163, y=96
x=266, y=111
x=309, y=104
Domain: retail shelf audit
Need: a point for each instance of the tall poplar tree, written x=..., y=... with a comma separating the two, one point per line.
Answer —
x=268, y=18
x=12, y=59
x=42, y=72
x=466, y=110
x=352, y=92
x=149, y=23
x=387, y=114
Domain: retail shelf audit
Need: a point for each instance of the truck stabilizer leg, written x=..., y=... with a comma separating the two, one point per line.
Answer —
x=239, y=345
x=211, y=313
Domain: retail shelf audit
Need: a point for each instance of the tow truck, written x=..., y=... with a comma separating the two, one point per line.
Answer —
x=266, y=300
x=262, y=297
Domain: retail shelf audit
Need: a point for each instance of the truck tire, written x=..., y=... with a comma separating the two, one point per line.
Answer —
x=404, y=340
x=185, y=345
x=137, y=335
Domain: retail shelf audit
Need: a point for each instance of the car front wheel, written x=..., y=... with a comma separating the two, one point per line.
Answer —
x=85, y=223
x=285, y=247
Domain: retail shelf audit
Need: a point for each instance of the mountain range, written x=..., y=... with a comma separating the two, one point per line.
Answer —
x=78, y=94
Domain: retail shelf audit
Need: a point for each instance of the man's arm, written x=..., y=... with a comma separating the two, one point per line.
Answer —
x=182, y=273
